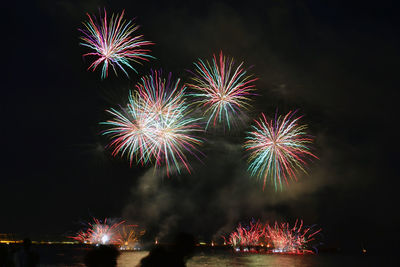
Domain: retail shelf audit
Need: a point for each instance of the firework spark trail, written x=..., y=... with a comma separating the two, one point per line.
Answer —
x=251, y=235
x=113, y=43
x=161, y=94
x=278, y=148
x=132, y=133
x=157, y=125
x=173, y=136
x=99, y=233
x=221, y=89
x=285, y=239
x=129, y=236
x=81, y=236
x=291, y=240
x=172, y=125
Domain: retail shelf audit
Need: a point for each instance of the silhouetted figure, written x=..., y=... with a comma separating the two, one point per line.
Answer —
x=158, y=256
x=3, y=255
x=102, y=256
x=175, y=256
x=26, y=256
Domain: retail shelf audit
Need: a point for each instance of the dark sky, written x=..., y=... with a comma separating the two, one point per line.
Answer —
x=336, y=62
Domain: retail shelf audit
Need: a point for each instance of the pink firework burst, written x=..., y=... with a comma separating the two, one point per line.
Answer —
x=113, y=43
x=222, y=89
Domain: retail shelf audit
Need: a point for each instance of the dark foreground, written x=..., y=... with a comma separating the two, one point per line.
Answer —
x=73, y=256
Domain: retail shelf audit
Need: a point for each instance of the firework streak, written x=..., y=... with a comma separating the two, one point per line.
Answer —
x=128, y=236
x=251, y=235
x=221, y=89
x=291, y=240
x=284, y=239
x=278, y=149
x=99, y=232
x=107, y=232
x=156, y=125
x=113, y=43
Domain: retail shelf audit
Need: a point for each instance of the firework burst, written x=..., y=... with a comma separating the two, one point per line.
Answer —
x=286, y=239
x=278, y=149
x=156, y=125
x=113, y=43
x=132, y=131
x=161, y=95
x=222, y=89
x=98, y=232
x=252, y=235
x=129, y=236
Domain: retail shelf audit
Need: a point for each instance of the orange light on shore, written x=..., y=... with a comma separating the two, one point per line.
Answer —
x=10, y=241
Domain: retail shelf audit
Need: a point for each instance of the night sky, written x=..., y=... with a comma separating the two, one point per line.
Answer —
x=335, y=62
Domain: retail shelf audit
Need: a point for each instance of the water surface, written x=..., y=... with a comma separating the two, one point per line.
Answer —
x=73, y=256
x=270, y=260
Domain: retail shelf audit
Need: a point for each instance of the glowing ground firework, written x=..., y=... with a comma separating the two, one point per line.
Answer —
x=113, y=43
x=222, y=89
x=286, y=239
x=156, y=125
x=278, y=149
x=248, y=236
x=98, y=232
x=129, y=236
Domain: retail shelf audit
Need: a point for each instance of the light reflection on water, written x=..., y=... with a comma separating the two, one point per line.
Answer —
x=255, y=260
x=250, y=260
x=131, y=259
